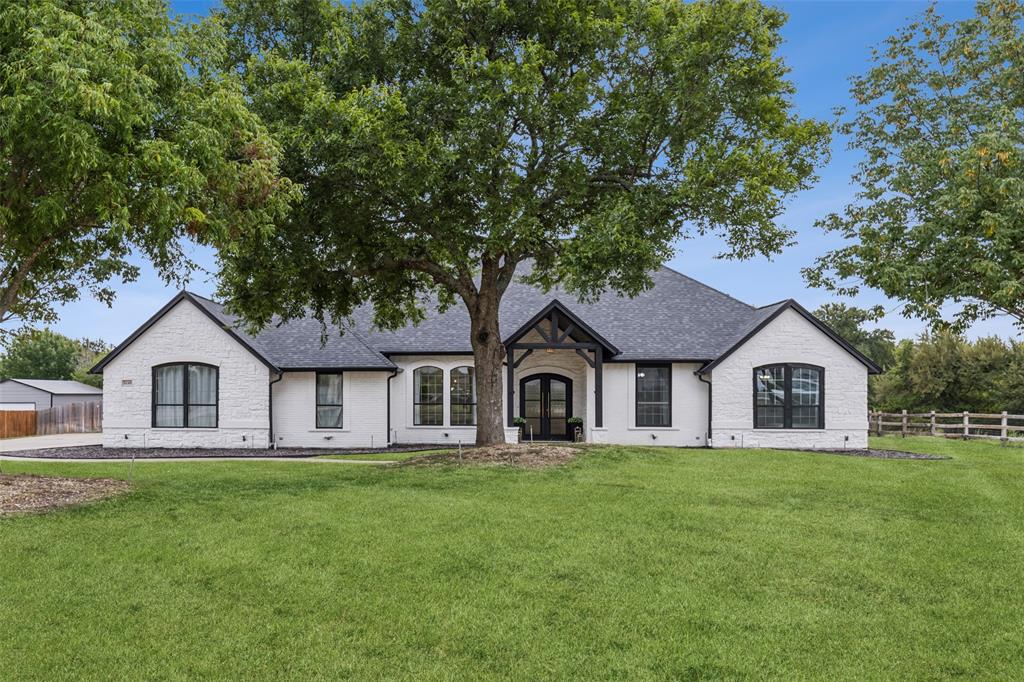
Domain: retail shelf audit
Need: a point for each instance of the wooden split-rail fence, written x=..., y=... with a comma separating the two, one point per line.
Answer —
x=70, y=418
x=995, y=426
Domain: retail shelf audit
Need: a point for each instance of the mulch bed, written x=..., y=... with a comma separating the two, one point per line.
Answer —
x=100, y=452
x=31, y=493
x=523, y=455
x=880, y=454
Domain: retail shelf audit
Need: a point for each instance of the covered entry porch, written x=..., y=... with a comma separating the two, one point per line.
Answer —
x=555, y=371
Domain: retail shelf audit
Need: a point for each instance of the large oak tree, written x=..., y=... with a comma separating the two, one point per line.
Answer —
x=441, y=143
x=115, y=146
x=939, y=215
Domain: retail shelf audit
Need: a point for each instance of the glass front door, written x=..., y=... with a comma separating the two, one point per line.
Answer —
x=545, y=402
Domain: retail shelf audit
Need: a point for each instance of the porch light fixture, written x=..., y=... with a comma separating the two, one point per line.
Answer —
x=549, y=350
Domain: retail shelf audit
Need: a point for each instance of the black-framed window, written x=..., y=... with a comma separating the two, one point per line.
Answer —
x=185, y=395
x=789, y=396
x=463, y=396
x=654, y=395
x=330, y=402
x=428, y=396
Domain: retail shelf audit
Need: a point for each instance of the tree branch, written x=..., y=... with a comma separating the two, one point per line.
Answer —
x=14, y=287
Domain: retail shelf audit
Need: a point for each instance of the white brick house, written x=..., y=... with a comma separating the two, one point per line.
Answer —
x=680, y=365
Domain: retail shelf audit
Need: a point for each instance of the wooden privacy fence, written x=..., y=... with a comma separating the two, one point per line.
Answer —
x=16, y=423
x=1002, y=426
x=70, y=418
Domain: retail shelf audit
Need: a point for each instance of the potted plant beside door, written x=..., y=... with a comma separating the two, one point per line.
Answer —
x=576, y=424
x=521, y=423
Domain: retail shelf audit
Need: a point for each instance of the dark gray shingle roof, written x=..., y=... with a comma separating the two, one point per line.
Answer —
x=678, y=318
x=298, y=344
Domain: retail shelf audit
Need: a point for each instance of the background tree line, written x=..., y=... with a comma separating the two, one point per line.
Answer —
x=45, y=354
x=939, y=370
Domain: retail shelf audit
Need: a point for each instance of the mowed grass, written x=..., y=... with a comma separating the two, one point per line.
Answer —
x=631, y=563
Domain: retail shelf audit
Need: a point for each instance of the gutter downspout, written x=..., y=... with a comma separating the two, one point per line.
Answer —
x=701, y=378
x=270, y=409
x=391, y=376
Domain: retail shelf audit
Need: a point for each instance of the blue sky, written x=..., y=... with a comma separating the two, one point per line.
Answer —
x=825, y=43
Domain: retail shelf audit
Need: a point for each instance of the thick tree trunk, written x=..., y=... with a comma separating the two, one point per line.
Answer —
x=488, y=357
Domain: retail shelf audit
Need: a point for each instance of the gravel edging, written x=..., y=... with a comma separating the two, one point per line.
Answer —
x=878, y=454
x=99, y=452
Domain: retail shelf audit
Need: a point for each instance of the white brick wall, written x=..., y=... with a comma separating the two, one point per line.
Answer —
x=364, y=419
x=403, y=430
x=689, y=401
x=790, y=338
x=185, y=334
x=689, y=409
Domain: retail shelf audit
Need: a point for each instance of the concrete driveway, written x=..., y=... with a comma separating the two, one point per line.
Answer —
x=62, y=440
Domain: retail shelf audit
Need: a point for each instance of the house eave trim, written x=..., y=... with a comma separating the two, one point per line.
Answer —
x=340, y=368
x=575, y=320
x=790, y=304
x=178, y=298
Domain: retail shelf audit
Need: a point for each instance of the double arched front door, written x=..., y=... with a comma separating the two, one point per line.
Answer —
x=545, y=402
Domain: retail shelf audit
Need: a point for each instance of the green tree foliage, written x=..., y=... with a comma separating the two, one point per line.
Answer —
x=878, y=344
x=940, y=212
x=940, y=371
x=944, y=372
x=45, y=354
x=1013, y=380
x=848, y=321
x=111, y=146
x=440, y=144
x=91, y=351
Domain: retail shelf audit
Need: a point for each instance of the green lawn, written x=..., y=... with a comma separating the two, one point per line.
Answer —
x=631, y=563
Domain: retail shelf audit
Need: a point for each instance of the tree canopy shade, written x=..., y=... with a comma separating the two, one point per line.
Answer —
x=940, y=212
x=441, y=143
x=109, y=147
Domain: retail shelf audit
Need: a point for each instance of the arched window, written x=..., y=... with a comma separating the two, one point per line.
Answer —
x=789, y=396
x=463, y=392
x=185, y=396
x=428, y=396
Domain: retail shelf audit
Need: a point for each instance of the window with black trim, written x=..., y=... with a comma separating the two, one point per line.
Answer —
x=428, y=396
x=463, y=396
x=330, y=403
x=654, y=395
x=789, y=396
x=185, y=396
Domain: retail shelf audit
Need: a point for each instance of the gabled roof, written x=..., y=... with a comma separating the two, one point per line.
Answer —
x=678, y=319
x=180, y=297
x=566, y=314
x=297, y=347
x=60, y=386
x=763, y=317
